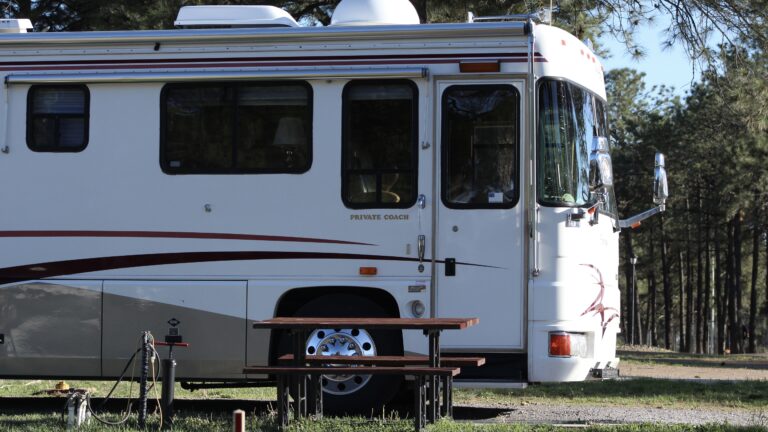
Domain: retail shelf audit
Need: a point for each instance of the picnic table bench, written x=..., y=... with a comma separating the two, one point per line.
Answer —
x=305, y=371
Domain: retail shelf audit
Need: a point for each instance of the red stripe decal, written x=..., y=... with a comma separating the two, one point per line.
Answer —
x=87, y=265
x=175, y=235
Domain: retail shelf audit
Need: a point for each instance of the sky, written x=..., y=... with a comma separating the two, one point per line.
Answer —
x=670, y=67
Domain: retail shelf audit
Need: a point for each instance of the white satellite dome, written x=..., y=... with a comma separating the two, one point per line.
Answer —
x=374, y=12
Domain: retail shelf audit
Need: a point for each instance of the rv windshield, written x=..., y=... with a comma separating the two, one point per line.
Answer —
x=569, y=119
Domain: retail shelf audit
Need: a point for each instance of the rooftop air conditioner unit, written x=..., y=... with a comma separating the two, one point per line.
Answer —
x=233, y=16
x=375, y=12
x=15, y=25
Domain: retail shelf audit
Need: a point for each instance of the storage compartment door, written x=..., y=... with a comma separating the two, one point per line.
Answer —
x=51, y=329
x=210, y=315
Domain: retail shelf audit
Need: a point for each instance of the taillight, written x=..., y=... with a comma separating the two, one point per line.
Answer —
x=563, y=344
x=559, y=345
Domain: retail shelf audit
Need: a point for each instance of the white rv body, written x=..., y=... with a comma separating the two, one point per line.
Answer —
x=100, y=244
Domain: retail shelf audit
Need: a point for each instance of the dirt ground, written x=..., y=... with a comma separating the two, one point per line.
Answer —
x=641, y=363
x=669, y=365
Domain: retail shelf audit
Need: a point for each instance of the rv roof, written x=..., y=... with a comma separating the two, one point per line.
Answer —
x=234, y=16
x=268, y=34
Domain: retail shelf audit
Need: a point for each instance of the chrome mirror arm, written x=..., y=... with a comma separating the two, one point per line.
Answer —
x=634, y=221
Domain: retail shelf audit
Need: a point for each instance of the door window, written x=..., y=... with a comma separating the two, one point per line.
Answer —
x=481, y=140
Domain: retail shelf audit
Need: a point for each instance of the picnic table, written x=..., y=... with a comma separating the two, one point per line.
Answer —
x=306, y=382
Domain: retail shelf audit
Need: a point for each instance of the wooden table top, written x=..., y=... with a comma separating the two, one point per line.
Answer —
x=311, y=323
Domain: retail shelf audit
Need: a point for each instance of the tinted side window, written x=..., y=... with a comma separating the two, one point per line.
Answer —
x=57, y=118
x=480, y=141
x=379, y=143
x=236, y=128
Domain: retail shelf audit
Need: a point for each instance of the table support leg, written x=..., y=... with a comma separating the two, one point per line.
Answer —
x=283, y=403
x=300, y=381
x=419, y=403
x=315, y=405
x=446, y=408
x=434, y=381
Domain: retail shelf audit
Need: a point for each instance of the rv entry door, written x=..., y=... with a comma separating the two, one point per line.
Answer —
x=480, y=216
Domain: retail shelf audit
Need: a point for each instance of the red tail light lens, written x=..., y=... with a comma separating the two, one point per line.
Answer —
x=559, y=345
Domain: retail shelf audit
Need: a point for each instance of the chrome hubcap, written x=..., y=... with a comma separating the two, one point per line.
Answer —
x=342, y=342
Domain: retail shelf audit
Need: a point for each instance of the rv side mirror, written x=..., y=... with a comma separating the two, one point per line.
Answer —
x=660, y=195
x=600, y=166
x=660, y=187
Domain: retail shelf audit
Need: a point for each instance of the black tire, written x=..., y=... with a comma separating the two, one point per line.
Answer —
x=380, y=389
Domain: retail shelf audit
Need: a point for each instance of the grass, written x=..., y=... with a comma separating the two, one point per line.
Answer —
x=26, y=388
x=750, y=361
x=751, y=396
x=52, y=423
x=643, y=392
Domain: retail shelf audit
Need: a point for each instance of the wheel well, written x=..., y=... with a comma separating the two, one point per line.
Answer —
x=291, y=301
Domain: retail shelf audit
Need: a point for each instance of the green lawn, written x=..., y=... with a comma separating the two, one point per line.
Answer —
x=648, y=392
x=747, y=361
x=748, y=395
x=206, y=423
x=643, y=392
x=25, y=388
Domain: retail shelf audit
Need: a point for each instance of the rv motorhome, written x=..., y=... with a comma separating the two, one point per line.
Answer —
x=244, y=167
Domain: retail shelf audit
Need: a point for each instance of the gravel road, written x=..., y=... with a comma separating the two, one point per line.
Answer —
x=705, y=369
x=731, y=371
x=586, y=414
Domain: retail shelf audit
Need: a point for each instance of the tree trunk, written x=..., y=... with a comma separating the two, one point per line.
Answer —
x=681, y=276
x=737, y=245
x=638, y=337
x=653, y=336
x=667, y=287
x=699, y=277
x=652, y=315
x=731, y=286
x=628, y=253
x=707, y=290
x=753, y=296
x=688, y=346
x=719, y=306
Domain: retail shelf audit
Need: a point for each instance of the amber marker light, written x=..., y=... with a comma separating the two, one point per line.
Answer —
x=480, y=67
x=369, y=271
x=559, y=345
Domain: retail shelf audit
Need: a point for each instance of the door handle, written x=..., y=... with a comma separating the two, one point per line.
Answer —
x=422, y=245
x=450, y=266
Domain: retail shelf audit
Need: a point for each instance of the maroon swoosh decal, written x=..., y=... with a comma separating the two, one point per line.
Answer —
x=70, y=267
x=597, y=306
x=175, y=235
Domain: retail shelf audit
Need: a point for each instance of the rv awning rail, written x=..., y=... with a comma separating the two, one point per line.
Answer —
x=294, y=35
x=191, y=76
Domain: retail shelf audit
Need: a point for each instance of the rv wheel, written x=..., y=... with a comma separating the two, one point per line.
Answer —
x=351, y=394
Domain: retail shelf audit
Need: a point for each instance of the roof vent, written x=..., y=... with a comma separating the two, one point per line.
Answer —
x=15, y=25
x=233, y=16
x=375, y=12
